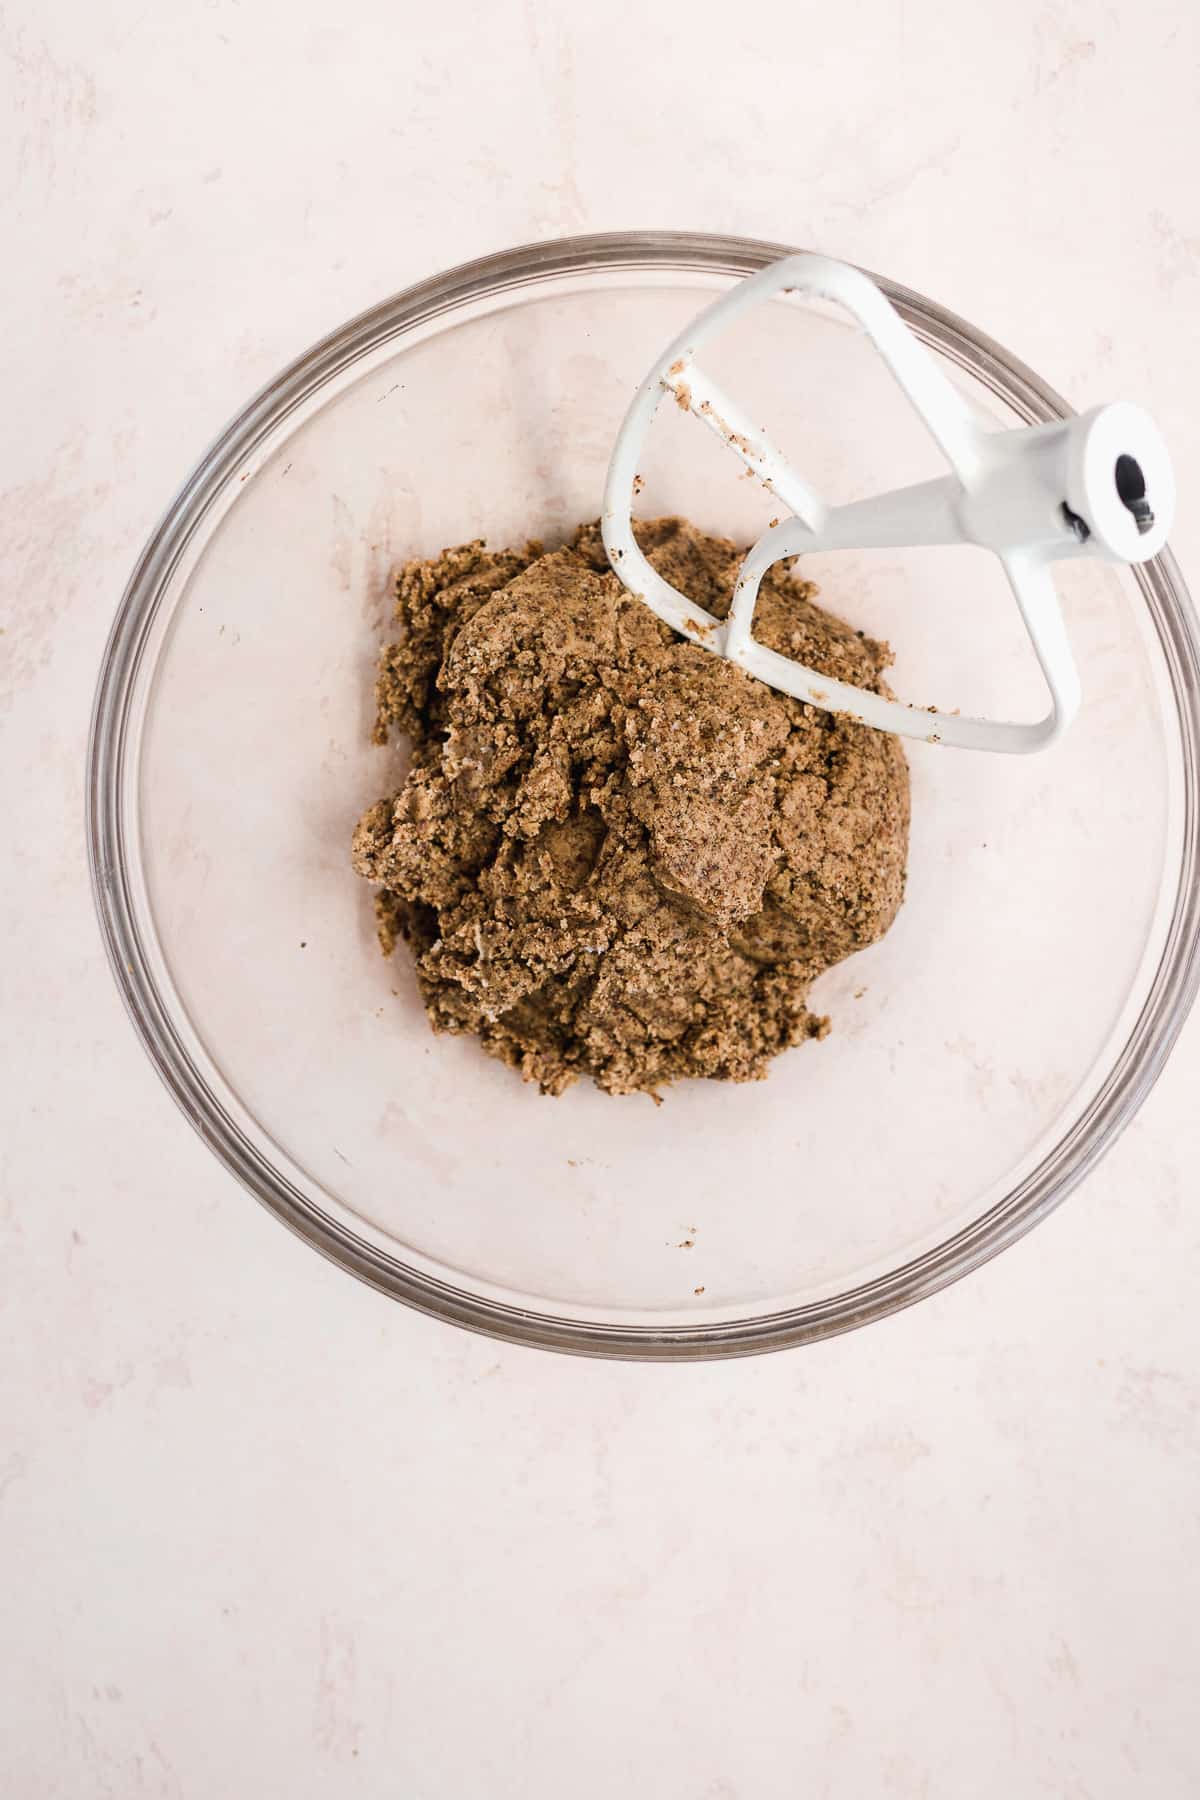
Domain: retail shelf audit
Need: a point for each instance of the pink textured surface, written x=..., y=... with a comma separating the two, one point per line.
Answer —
x=262, y=1531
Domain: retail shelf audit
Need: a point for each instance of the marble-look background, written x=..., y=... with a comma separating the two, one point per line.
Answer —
x=263, y=1532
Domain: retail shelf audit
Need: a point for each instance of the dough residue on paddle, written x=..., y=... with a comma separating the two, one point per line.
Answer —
x=615, y=854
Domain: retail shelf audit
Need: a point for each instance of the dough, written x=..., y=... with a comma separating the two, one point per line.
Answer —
x=615, y=854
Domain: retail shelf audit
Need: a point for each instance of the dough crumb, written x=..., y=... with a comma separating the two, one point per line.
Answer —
x=616, y=855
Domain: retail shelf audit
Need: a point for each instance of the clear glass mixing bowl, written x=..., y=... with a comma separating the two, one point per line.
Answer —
x=983, y=1056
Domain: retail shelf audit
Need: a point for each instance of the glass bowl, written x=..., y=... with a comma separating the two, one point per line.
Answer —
x=982, y=1057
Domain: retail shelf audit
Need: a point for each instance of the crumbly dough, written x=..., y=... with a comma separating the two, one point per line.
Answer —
x=615, y=854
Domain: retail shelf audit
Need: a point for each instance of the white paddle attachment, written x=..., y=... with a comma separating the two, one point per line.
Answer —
x=1097, y=485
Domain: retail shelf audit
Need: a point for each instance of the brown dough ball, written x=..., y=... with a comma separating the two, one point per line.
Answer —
x=616, y=854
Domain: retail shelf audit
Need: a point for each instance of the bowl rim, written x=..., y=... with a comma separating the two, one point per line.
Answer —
x=1134, y=1071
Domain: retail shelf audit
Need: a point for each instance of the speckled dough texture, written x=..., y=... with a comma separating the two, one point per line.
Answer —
x=614, y=854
